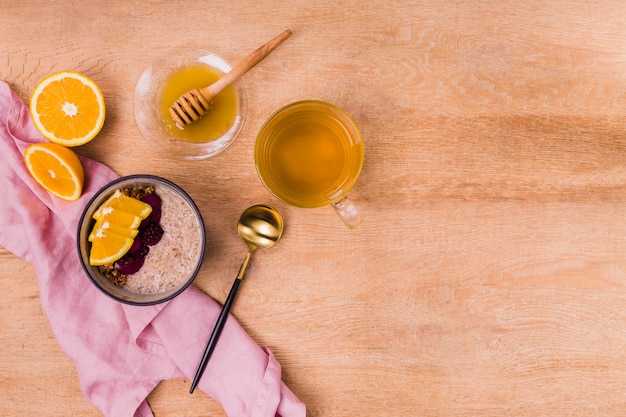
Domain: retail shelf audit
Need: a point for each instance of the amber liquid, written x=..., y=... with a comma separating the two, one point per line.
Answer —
x=308, y=158
x=217, y=121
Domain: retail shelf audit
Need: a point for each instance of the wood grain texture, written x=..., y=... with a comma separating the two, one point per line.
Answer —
x=489, y=275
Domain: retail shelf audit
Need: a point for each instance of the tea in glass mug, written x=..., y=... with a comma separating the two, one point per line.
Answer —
x=309, y=154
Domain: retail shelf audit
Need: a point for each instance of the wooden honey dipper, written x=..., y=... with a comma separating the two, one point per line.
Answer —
x=195, y=103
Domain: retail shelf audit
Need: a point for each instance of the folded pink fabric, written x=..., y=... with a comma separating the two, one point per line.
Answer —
x=122, y=352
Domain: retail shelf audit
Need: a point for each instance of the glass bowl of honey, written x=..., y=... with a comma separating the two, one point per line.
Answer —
x=167, y=78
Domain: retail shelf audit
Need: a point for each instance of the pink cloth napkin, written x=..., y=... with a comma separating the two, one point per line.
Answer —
x=122, y=352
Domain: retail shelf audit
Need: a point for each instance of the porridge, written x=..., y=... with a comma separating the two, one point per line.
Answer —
x=165, y=248
x=175, y=257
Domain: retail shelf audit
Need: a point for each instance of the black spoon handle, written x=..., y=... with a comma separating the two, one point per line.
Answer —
x=217, y=330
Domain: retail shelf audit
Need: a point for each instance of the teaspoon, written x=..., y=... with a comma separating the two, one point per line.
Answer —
x=259, y=227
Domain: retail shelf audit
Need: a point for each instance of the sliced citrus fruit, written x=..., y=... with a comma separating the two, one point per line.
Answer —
x=120, y=218
x=121, y=202
x=67, y=108
x=56, y=168
x=103, y=224
x=107, y=247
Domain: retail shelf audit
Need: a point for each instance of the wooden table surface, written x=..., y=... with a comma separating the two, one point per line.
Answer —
x=489, y=275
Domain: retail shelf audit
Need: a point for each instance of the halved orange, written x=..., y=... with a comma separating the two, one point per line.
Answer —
x=56, y=168
x=107, y=247
x=67, y=108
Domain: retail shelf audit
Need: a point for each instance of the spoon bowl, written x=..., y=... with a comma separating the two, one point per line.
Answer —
x=259, y=227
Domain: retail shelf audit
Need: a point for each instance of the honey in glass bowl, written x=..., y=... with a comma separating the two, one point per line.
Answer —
x=217, y=121
x=167, y=78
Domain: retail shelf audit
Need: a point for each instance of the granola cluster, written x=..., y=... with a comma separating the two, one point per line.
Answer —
x=138, y=192
x=113, y=275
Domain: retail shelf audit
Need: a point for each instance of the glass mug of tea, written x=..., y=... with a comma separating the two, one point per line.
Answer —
x=309, y=154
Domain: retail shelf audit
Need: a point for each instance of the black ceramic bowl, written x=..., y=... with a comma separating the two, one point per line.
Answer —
x=171, y=265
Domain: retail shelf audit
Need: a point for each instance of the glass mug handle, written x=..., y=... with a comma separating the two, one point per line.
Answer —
x=346, y=209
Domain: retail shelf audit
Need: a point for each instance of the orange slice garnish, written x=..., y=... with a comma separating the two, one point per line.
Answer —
x=120, y=218
x=105, y=223
x=107, y=247
x=117, y=222
x=121, y=202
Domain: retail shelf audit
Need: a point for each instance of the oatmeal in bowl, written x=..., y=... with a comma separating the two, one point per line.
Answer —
x=141, y=240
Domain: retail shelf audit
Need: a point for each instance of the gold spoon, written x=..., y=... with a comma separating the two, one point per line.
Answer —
x=259, y=227
x=195, y=103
